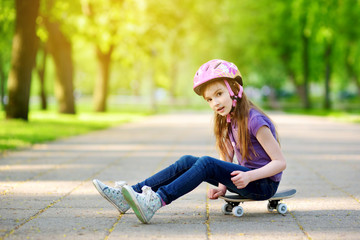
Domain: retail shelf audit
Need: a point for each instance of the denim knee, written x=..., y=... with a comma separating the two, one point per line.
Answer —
x=206, y=163
x=186, y=161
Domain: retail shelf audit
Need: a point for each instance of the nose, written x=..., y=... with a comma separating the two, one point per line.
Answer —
x=215, y=101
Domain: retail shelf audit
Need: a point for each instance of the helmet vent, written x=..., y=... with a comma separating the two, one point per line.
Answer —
x=217, y=65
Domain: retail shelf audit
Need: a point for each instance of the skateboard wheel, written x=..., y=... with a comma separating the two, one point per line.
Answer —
x=227, y=208
x=238, y=211
x=270, y=208
x=281, y=208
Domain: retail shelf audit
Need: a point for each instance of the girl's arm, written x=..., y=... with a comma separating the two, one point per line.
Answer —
x=277, y=164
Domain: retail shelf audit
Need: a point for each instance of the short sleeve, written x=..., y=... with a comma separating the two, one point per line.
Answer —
x=256, y=123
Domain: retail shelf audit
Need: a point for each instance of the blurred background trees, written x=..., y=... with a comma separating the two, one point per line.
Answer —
x=24, y=49
x=292, y=54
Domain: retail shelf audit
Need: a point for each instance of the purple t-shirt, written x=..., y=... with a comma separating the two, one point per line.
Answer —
x=256, y=120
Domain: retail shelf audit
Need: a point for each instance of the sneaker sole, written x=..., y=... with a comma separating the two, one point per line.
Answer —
x=134, y=204
x=104, y=196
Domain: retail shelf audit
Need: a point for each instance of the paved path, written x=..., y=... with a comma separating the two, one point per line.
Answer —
x=46, y=191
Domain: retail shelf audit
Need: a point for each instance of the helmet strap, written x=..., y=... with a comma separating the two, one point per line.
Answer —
x=233, y=97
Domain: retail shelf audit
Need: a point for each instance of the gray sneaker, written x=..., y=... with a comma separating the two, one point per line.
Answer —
x=144, y=204
x=113, y=195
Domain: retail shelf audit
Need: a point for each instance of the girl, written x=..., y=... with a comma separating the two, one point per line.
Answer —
x=240, y=128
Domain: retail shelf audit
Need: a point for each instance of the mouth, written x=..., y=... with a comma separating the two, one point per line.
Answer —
x=220, y=110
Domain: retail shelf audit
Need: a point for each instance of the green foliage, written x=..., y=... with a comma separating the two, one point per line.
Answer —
x=160, y=44
x=7, y=22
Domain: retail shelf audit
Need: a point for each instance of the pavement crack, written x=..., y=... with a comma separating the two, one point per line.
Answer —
x=333, y=185
x=113, y=226
x=326, y=180
x=12, y=231
x=300, y=226
x=207, y=221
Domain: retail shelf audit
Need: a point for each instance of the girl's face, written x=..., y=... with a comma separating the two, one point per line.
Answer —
x=218, y=97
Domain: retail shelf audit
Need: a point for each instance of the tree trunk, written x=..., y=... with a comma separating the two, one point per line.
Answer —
x=41, y=73
x=102, y=81
x=305, y=60
x=305, y=56
x=351, y=72
x=327, y=101
x=60, y=48
x=301, y=90
x=23, y=58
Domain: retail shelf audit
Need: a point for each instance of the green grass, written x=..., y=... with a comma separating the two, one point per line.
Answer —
x=44, y=126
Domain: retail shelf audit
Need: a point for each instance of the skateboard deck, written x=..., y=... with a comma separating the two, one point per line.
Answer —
x=233, y=201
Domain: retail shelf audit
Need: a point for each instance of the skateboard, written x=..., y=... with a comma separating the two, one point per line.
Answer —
x=233, y=202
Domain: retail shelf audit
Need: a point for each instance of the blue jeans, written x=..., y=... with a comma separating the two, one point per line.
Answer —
x=189, y=172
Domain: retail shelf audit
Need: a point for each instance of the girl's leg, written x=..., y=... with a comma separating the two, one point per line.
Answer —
x=164, y=177
x=167, y=175
x=215, y=171
x=148, y=202
x=182, y=177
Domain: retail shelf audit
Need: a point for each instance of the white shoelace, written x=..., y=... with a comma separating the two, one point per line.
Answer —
x=149, y=194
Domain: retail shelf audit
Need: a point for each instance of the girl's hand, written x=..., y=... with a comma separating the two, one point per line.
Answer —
x=240, y=179
x=215, y=193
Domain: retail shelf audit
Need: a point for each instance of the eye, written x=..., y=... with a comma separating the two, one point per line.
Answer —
x=208, y=100
x=219, y=94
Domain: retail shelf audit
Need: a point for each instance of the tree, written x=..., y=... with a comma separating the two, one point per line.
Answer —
x=105, y=21
x=40, y=69
x=60, y=48
x=258, y=40
x=23, y=58
x=61, y=51
x=305, y=28
x=325, y=29
x=292, y=35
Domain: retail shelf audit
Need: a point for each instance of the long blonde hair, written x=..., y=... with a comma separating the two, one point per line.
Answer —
x=241, y=113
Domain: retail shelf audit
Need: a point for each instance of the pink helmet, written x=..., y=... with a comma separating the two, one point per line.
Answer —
x=215, y=69
x=219, y=69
